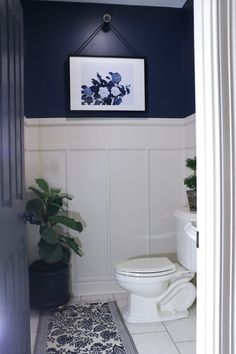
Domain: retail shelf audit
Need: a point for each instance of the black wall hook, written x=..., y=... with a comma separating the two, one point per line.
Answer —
x=106, y=22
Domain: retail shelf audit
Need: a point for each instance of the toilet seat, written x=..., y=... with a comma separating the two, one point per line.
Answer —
x=146, y=267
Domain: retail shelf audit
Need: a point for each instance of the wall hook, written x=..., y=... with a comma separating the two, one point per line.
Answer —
x=106, y=21
x=107, y=18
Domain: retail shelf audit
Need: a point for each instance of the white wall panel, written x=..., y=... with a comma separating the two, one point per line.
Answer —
x=126, y=177
x=128, y=204
x=166, y=195
x=87, y=175
x=48, y=164
x=190, y=132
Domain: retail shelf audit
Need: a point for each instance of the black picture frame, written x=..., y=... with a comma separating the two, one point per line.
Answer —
x=107, y=83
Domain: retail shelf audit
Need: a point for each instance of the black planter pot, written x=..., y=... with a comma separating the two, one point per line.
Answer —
x=49, y=284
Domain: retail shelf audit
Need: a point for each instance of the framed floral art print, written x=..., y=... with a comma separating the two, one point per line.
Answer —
x=107, y=84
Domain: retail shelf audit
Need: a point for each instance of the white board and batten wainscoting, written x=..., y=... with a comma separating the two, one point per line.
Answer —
x=126, y=177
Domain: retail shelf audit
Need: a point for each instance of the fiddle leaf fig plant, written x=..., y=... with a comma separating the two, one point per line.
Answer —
x=191, y=181
x=46, y=210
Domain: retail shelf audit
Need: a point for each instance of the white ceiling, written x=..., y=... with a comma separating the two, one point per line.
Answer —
x=160, y=3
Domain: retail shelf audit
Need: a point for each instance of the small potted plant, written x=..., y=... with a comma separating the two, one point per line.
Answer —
x=191, y=183
x=49, y=276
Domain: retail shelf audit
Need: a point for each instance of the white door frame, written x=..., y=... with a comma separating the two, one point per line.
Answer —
x=215, y=76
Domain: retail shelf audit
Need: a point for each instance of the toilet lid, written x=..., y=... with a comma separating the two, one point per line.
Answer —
x=146, y=266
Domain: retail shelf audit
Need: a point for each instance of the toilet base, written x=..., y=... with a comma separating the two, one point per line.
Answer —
x=171, y=305
x=155, y=317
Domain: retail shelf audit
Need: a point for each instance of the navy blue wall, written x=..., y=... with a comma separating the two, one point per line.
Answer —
x=188, y=57
x=54, y=30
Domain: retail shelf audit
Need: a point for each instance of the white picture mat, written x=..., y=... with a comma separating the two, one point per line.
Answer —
x=84, y=69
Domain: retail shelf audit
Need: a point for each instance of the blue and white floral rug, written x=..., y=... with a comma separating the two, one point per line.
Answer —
x=96, y=328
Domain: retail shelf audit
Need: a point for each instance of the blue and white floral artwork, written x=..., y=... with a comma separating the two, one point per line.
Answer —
x=105, y=91
x=106, y=84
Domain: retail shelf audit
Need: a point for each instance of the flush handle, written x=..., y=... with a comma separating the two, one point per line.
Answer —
x=197, y=239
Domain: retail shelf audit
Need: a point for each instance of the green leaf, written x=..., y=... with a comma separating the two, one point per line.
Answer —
x=56, y=199
x=49, y=235
x=66, y=196
x=50, y=253
x=191, y=182
x=55, y=191
x=42, y=184
x=71, y=243
x=35, y=207
x=54, y=204
x=191, y=163
x=65, y=220
x=59, y=206
x=54, y=208
x=40, y=194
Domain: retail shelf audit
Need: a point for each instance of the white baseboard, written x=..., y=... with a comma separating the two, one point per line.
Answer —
x=95, y=288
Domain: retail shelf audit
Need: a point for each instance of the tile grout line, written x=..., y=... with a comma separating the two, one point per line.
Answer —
x=33, y=332
x=151, y=332
x=171, y=338
x=186, y=341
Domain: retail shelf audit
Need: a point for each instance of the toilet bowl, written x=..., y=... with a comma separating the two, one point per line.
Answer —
x=158, y=289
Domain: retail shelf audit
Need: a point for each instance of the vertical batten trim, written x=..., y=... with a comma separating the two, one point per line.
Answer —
x=148, y=199
x=108, y=214
x=184, y=154
x=67, y=169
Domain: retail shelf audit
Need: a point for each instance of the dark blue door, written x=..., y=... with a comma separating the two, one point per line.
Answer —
x=14, y=304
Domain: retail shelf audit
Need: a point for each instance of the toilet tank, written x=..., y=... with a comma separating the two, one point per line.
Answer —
x=186, y=222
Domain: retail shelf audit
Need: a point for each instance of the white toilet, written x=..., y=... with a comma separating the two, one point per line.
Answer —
x=160, y=290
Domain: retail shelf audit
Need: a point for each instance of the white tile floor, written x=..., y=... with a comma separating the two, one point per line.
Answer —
x=170, y=337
